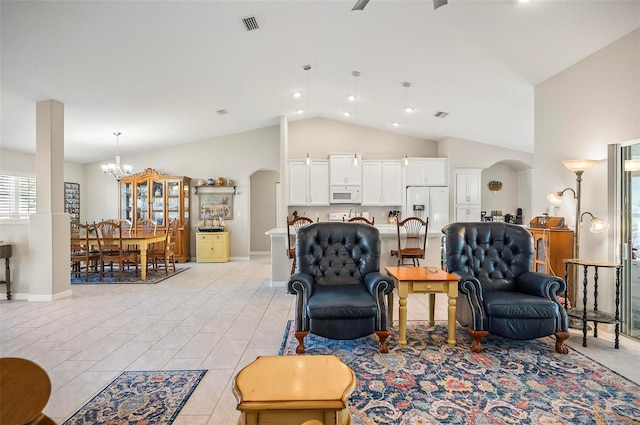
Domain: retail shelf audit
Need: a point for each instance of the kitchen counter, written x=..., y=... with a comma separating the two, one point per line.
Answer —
x=281, y=264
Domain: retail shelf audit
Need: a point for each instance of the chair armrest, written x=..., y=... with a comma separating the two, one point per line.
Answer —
x=469, y=285
x=541, y=285
x=377, y=282
x=301, y=284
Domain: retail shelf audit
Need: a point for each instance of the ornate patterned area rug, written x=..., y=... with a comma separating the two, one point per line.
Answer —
x=141, y=398
x=153, y=276
x=510, y=382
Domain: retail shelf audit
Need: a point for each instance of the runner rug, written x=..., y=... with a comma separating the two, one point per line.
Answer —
x=510, y=382
x=149, y=397
x=153, y=276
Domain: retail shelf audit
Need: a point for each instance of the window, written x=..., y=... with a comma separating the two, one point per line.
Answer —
x=17, y=196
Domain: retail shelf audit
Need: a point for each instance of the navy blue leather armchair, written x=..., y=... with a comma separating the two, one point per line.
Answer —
x=340, y=292
x=497, y=291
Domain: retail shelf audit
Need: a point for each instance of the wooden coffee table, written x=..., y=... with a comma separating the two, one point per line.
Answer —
x=428, y=280
x=289, y=390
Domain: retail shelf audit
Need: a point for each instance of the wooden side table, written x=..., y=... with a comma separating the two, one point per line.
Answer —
x=289, y=390
x=594, y=315
x=5, y=252
x=428, y=280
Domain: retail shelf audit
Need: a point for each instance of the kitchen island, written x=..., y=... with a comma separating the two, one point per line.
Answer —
x=281, y=264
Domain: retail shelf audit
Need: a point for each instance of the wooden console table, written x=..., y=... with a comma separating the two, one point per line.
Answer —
x=594, y=315
x=5, y=252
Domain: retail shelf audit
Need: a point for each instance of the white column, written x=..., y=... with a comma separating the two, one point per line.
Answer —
x=49, y=232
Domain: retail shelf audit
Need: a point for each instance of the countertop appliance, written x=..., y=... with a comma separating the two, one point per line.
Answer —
x=431, y=202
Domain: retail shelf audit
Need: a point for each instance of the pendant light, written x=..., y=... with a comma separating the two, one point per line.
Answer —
x=307, y=68
x=407, y=110
x=355, y=74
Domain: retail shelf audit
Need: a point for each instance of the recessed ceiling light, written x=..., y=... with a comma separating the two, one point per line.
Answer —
x=351, y=98
x=346, y=113
x=395, y=124
x=523, y=1
x=300, y=111
x=408, y=109
x=297, y=94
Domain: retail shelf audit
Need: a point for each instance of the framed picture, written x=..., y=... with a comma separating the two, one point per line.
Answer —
x=216, y=205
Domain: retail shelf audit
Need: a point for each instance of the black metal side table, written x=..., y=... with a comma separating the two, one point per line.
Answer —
x=5, y=252
x=594, y=315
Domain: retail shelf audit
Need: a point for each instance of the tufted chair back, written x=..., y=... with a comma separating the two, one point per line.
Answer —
x=494, y=253
x=338, y=253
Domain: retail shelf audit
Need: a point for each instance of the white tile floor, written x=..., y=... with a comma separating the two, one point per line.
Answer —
x=218, y=317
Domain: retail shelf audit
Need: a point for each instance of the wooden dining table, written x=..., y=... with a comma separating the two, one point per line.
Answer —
x=144, y=241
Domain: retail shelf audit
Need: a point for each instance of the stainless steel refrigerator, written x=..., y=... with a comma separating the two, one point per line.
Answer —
x=431, y=202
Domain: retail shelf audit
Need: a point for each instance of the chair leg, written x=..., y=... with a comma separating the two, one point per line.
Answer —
x=561, y=337
x=300, y=337
x=476, y=347
x=382, y=337
x=293, y=266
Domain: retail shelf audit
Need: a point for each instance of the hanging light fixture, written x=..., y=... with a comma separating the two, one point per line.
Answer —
x=407, y=110
x=117, y=170
x=307, y=68
x=355, y=74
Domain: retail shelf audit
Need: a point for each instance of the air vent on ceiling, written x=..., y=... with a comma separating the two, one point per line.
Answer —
x=250, y=23
x=441, y=114
x=222, y=112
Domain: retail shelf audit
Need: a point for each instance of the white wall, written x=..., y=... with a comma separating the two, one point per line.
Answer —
x=578, y=112
x=263, y=208
x=17, y=232
x=235, y=156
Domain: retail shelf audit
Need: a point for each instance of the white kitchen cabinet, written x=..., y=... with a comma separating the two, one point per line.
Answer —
x=467, y=196
x=342, y=172
x=382, y=183
x=309, y=185
x=468, y=213
x=427, y=172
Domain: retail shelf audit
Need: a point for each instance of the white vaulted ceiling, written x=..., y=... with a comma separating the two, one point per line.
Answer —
x=158, y=71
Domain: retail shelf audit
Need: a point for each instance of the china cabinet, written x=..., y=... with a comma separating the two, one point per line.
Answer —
x=72, y=201
x=159, y=197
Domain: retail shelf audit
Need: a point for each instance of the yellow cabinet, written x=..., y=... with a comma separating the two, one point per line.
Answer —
x=212, y=247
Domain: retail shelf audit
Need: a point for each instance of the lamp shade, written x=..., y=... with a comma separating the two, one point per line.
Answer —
x=632, y=165
x=598, y=226
x=554, y=199
x=577, y=165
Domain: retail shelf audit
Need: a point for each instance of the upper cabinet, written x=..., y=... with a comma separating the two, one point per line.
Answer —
x=159, y=197
x=427, y=172
x=467, y=196
x=343, y=172
x=382, y=183
x=309, y=185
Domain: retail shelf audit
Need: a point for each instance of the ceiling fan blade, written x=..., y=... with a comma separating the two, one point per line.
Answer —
x=438, y=3
x=360, y=4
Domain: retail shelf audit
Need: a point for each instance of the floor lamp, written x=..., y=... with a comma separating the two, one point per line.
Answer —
x=578, y=166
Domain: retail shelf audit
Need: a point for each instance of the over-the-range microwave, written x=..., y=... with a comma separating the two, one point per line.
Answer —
x=344, y=195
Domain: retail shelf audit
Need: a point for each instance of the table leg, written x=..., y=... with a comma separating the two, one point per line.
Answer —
x=402, y=312
x=7, y=277
x=452, y=294
x=143, y=260
x=432, y=309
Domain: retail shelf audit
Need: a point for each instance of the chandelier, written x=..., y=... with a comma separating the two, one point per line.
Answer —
x=117, y=170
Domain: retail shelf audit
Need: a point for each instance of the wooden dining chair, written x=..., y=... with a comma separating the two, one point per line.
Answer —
x=293, y=226
x=360, y=219
x=82, y=253
x=412, y=240
x=164, y=253
x=112, y=241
